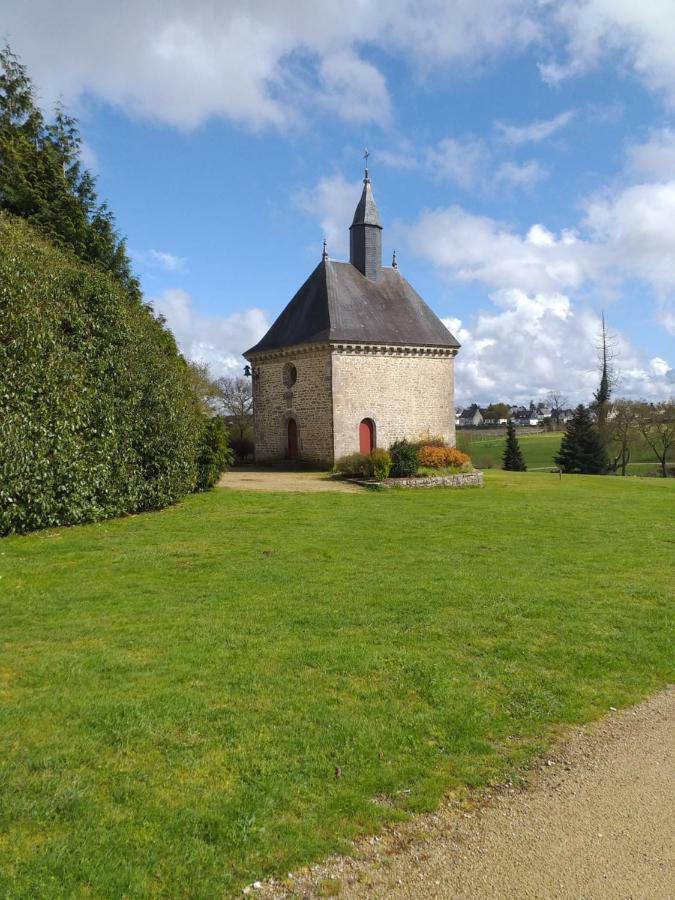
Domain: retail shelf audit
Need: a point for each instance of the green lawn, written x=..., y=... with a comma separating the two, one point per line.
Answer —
x=539, y=450
x=177, y=688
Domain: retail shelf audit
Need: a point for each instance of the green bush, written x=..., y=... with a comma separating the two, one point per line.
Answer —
x=213, y=453
x=97, y=414
x=380, y=464
x=404, y=459
x=354, y=465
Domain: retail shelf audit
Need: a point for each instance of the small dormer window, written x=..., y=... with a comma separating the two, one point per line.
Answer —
x=290, y=375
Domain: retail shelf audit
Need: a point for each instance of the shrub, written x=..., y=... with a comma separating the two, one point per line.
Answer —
x=404, y=459
x=242, y=448
x=380, y=464
x=431, y=440
x=435, y=457
x=354, y=465
x=213, y=453
x=97, y=413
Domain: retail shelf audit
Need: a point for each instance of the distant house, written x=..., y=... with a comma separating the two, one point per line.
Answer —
x=470, y=416
x=523, y=415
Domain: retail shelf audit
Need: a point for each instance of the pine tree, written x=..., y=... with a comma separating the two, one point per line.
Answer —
x=581, y=449
x=512, y=460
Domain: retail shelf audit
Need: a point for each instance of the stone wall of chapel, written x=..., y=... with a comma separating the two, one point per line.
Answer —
x=308, y=401
x=405, y=396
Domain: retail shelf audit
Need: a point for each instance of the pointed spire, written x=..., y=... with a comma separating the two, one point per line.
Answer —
x=365, y=233
x=394, y=264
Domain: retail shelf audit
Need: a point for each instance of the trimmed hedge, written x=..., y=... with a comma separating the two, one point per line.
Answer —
x=97, y=416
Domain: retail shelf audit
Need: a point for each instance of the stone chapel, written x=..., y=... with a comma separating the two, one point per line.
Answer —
x=356, y=360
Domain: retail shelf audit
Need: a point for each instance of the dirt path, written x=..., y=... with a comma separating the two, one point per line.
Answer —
x=595, y=820
x=275, y=480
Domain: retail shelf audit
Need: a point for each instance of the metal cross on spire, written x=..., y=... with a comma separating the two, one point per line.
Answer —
x=365, y=156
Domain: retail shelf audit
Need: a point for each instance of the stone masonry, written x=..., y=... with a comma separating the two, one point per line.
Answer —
x=407, y=392
x=308, y=401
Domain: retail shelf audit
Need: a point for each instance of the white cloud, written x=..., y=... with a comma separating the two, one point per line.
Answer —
x=260, y=63
x=461, y=161
x=160, y=259
x=521, y=175
x=216, y=340
x=537, y=131
x=641, y=35
x=477, y=248
x=533, y=344
x=655, y=159
x=332, y=201
x=636, y=226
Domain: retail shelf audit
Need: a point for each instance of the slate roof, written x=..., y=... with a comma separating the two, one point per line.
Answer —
x=366, y=212
x=338, y=303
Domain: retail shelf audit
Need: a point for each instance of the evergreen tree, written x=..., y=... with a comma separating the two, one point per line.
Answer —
x=512, y=460
x=42, y=178
x=581, y=449
x=602, y=397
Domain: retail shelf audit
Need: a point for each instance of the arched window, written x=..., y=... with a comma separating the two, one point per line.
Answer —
x=292, y=452
x=366, y=436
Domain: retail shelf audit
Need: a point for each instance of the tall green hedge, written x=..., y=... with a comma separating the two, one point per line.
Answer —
x=97, y=416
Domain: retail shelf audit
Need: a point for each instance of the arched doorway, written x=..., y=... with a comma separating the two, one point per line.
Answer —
x=292, y=439
x=366, y=436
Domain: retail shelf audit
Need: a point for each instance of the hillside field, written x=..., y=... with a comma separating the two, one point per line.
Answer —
x=539, y=450
x=177, y=688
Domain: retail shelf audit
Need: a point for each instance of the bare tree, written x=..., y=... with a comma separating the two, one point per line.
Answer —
x=623, y=431
x=558, y=402
x=205, y=389
x=657, y=426
x=236, y=398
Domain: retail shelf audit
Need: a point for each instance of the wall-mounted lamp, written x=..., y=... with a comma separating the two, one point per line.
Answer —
x=251, y=372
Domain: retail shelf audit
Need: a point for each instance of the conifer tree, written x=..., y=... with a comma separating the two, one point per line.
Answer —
x=42, y=178
x=581, y=449
x=512, y=460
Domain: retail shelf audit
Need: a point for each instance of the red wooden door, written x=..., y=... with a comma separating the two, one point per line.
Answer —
x=366, y=436
x=292, y=439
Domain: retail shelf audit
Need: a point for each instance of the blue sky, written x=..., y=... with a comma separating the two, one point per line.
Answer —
x=523, y=159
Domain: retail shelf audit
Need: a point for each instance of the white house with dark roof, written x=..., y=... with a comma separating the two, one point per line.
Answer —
x=356, y=360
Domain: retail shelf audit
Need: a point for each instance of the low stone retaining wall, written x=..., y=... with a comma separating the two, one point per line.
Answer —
x=464, y=479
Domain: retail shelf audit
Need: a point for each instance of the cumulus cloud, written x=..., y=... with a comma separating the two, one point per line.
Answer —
x=218, y=341
x=535, y=343
x=261, y=63
x=477, y=248
x=641, y=35
x=537, y=131
x=332, y=201
x=539, y=336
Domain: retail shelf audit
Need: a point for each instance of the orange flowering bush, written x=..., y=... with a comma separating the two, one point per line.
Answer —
x=442, y=457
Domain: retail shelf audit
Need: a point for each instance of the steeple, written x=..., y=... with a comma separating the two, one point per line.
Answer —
x=365, y=233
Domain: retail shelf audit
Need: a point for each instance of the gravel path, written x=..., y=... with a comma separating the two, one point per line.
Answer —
x=595, y=819
x=277, y=480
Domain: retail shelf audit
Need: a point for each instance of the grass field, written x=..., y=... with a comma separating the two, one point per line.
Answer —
x=539, y=450
x=178, y=688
